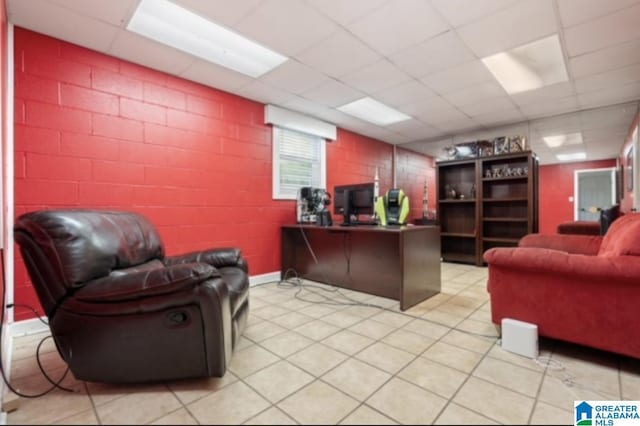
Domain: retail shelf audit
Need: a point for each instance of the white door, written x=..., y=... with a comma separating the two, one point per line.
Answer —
x=595, y=190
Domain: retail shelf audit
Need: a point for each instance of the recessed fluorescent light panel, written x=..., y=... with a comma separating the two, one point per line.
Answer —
x=370, y=110
x=572, y=157
x=530, y=66
x=170, y=24
x=557, y=141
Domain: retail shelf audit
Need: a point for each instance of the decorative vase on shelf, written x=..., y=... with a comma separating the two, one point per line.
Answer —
x=473, y=191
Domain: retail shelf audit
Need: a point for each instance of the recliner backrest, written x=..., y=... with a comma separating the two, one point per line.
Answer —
x=623, y=237
x=81, y=245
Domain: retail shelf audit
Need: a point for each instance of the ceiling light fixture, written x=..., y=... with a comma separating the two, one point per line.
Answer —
x=528, y=67
x=557, y=141
x=170, y=24
x=375, y=112
x=572, y=157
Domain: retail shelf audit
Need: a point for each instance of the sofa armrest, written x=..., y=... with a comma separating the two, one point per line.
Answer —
x=141, y=284
x=219, y=257
x=540, y=260
x=575, y=244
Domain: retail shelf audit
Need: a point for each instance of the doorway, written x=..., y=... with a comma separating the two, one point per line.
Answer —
x=595, y=189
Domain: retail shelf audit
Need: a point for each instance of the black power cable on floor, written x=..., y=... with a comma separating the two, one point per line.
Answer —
x=54, y=384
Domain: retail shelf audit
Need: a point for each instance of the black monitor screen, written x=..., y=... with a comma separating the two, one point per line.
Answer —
x=358, y=196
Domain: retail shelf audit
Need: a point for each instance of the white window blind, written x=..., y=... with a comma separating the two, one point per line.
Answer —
x=299, y=159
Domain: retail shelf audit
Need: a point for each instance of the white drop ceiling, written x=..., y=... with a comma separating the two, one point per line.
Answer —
x=422, y=57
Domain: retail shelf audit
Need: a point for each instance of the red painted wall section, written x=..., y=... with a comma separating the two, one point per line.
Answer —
x=626, y=203
x=94, y=131
x=412, y=171
x=3, y=128
x=556, y=184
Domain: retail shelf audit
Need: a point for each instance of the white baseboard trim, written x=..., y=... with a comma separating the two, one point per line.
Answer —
x=26, y=327
x=264, y=278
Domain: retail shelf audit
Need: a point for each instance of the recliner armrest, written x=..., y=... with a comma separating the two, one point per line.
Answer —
x=219, y=257
x=570, y=243
x=528, y=260
x=140, y=284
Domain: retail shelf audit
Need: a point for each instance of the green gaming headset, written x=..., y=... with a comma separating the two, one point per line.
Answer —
x=393, y=207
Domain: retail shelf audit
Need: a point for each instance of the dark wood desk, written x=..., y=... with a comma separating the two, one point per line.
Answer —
x=397, y=263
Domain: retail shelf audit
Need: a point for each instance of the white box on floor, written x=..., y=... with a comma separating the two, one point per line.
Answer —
x=520, y=337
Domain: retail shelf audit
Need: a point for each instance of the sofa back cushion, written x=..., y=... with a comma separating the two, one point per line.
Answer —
x=623, y=237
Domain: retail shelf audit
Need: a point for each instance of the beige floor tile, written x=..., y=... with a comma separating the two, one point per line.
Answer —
x=361, y=311
x=427, y=328
x=286, y=343
x=25, y=346
x=278, y=296
x=392, y=318
x=457, y=310
x=292, y=320
x=317, y=359
x=263, y=330
x=384, y=302
x=594, y=369
x=446, y=319
x=318, y=403
x=558, y=389
x=105, y=392
x=317, y=311
x=178, y=417
x=469, y=341
x=342, y=319
x=372, y=329
x=317, y=330
x=85, y=418
x=243, y=343
x=365, y=415
x=482, y=328
x=481, y=314
x=453, y=356
x=261, y=291
x=454, y=414
x=509, y=376
x=356, y=379
x=278, y=380
x=271, y=416
x=407, y=403
x=269, y=311
x=433, y=376
x=497, y=352
x=231, y=405
x=138, y=408
x=295, y=304
x=494, y=401
x=408, y=341
x=471, y=298
x=545, y=414
x=348, y=342
x=250, y=360
x=29, y=366
x=630, y=383
x=385, y=357
x=191, y=389
x=257, y=303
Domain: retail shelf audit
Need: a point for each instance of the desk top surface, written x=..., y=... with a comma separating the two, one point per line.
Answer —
x=362, y=228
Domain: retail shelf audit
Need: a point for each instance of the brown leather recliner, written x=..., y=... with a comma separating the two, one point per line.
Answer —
x=119, y=310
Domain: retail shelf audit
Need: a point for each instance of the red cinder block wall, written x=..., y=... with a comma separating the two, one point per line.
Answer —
x=95, y=131
x=412, y=170
x=3, y=127
x=556, y=185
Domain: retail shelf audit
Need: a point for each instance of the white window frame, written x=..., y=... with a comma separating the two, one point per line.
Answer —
x=278, y=192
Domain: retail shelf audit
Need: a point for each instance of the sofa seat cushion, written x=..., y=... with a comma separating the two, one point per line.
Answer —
x=623, y=237
x=238, y=285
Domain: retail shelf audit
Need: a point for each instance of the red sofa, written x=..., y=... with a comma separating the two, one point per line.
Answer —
x=578, y=288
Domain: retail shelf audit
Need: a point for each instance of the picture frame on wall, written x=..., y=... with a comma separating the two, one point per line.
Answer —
x=501, y=145
x=629, y=169
x=516, y=144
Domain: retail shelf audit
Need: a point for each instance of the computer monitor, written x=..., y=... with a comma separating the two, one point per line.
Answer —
x=353, y=200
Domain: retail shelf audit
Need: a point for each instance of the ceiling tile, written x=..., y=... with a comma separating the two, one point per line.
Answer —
x=442, y=115
x=458, y=77
x=59, y=22
x=424, y=107
x=143, y=51
x=345, y=12
x=475, y=94
x=262, y=92
x=605, y=97
x=457, y=125
x=617, y=56
x=224, y=12
x=339, y=54
x=287, y=26
x=547, y=108
x=398, y=24
x=440, y=52
x=460, y=12
x=407, y=125
x=304, y=106
x=518, y=24
x=115, y=12
x=214, y=75
x=499, y=117
x=404, y=93
x=333, y=94
x=422, y=133
x=574, y=12
x=294, y=77
x=501, y=103
x=609, y=79
x=376, y=77
x=606, y=31
x=554, y=91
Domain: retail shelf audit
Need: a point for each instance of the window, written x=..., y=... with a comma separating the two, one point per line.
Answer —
x=299, y=159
